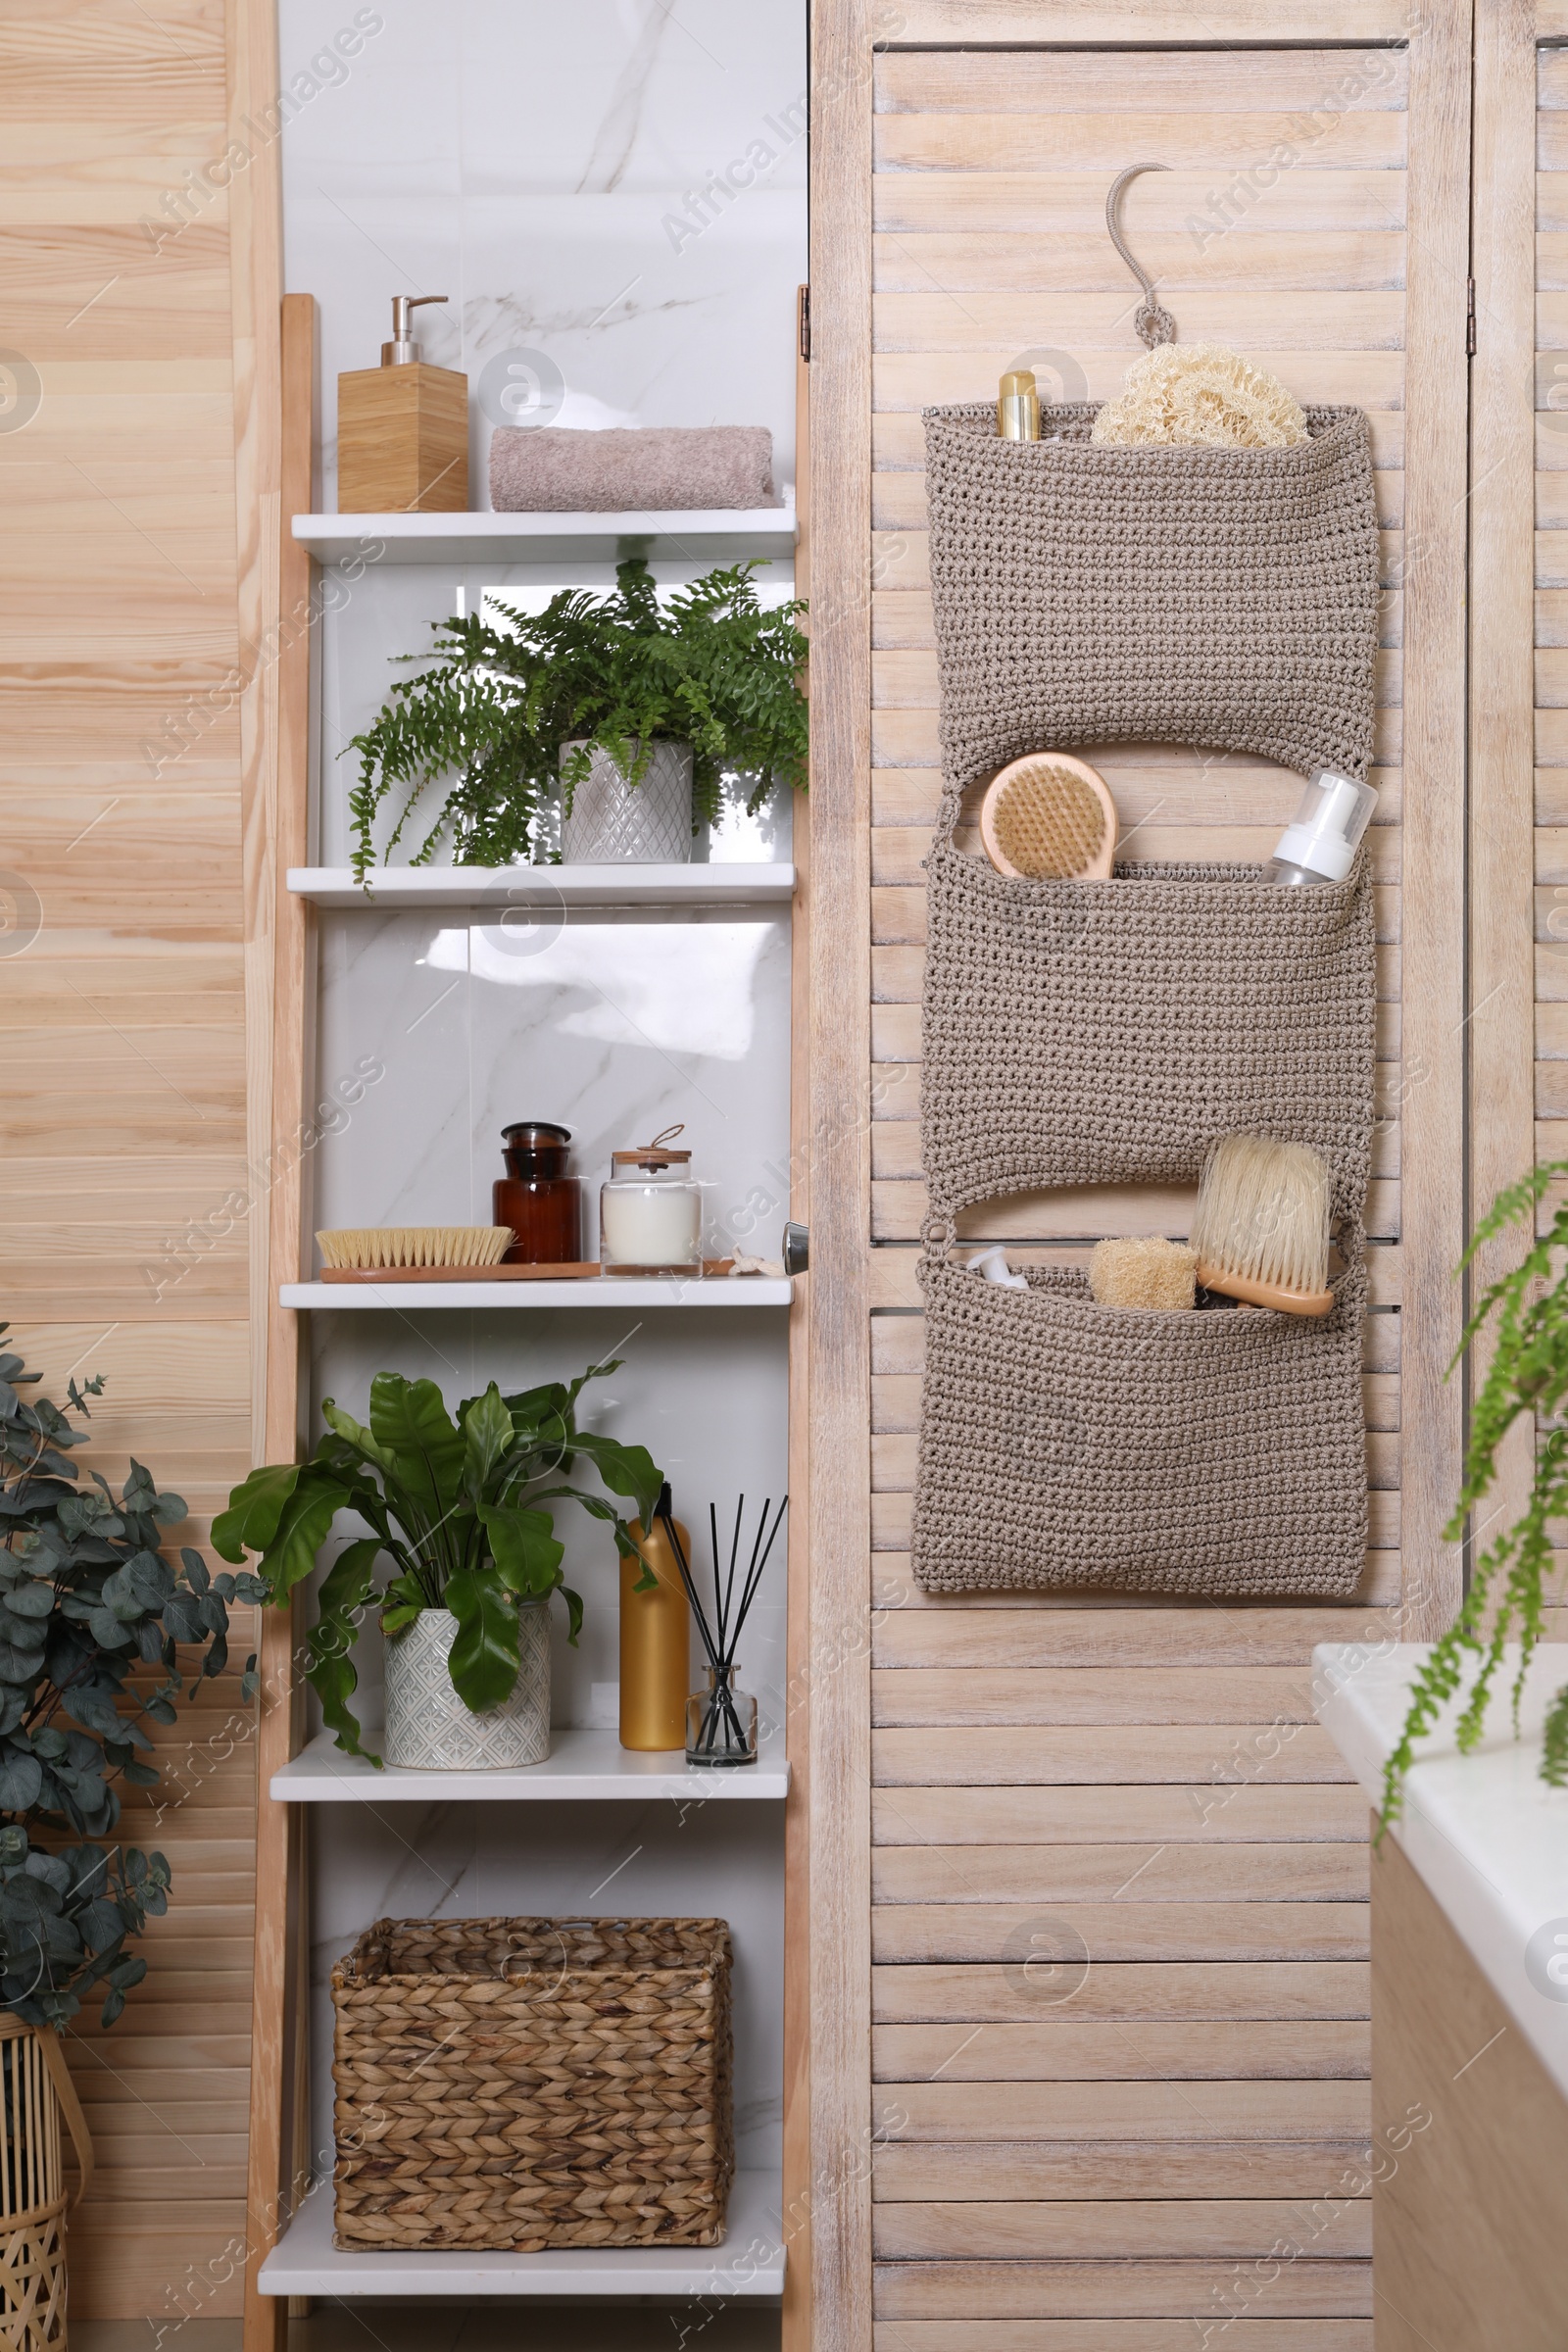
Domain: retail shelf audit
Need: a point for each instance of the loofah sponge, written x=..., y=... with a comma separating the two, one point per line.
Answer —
x=1201, y=396
x=1151, y=1273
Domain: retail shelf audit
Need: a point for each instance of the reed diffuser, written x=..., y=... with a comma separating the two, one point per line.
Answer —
x=722, y=1721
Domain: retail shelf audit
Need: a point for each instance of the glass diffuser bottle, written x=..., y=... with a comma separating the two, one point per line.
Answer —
x=656, y=1638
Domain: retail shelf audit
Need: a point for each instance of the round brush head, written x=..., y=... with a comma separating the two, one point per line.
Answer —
x=1050, y=818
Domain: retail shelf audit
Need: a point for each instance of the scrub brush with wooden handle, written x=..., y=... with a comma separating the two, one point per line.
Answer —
x=1261, y=1228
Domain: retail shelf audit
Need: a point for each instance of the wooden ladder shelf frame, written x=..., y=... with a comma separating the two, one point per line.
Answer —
x=280, y=2157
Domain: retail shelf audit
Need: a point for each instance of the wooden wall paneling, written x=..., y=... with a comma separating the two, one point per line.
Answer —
x=1501, y=791
x=797, y=2323
x=840, y=1161
x=1549, y=400
x=1435, y=587
x=280, y=2089
x=1148, y=1797
x=123, y=993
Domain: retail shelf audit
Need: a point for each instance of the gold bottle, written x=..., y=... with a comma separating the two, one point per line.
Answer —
x=655, y=1642
x=1018, y=405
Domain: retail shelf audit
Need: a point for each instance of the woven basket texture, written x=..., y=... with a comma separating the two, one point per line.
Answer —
x=1107, y=1032
x=1220, y=597
x=520, y=2084
x=1067, y=1443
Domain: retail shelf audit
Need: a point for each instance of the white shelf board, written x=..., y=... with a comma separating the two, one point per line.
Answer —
x=697, y=532
x=553, y=888
x=584, y=1763
x=591, y=1289
x=750, y=2262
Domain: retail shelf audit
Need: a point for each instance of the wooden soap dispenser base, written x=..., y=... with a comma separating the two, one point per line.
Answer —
x=403, y=429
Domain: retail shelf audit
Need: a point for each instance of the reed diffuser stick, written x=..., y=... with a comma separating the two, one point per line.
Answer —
x=720, y=1632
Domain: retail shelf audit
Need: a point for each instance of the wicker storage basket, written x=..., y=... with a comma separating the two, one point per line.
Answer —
x=1221, y=597
x=519, y=2084
x=1067, y=1443
x=35, y=2090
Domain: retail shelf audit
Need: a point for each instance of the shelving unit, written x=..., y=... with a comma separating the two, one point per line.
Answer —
x=601, y=1290
x=550, y=888
x=750, y=2262
x=691, y=1855
x=585, y=1765
x=711, y=534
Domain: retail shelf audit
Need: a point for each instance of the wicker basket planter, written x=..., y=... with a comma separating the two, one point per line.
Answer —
x=519, y=2084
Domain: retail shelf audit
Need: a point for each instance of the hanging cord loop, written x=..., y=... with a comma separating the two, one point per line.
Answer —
x=1154, y=324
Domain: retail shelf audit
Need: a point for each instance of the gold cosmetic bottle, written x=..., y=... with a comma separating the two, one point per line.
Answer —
x=655, y=1642
x=1018, y=405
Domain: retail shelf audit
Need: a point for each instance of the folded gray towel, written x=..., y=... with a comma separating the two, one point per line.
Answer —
x=553, y=469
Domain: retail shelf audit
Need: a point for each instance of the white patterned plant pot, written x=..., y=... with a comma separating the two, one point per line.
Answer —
x=617, y=823
x=427, y=1726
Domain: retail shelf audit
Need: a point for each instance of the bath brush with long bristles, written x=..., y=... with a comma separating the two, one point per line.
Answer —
x=1261, y=1226
x=1048, y=817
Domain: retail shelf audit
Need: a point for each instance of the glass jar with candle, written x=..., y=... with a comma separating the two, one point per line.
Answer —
x=650, y=1211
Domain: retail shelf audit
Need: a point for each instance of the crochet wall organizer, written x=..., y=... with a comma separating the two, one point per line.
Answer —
x=1220, y=597
x=1108, y=1032
x=1067, y=1443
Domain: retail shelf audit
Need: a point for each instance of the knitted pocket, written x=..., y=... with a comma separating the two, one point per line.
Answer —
x=1222, y=596
x=1083, y=1032
x=1067, y=1443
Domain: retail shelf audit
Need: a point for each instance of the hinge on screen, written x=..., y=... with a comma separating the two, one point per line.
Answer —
x=804, y=306
x=1470, y=316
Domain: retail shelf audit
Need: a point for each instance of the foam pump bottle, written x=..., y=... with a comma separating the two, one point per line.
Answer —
x=1321, y=844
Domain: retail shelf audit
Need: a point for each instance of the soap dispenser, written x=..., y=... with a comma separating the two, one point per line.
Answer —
x=403, y=429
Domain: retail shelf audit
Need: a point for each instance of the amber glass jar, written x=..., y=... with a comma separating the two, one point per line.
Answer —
x=537, y=1198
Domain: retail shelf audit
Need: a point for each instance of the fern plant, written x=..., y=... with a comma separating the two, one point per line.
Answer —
x=615, y=672
x=1528, y=1375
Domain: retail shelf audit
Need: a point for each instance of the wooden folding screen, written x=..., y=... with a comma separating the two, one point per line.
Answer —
x=1088, y=1883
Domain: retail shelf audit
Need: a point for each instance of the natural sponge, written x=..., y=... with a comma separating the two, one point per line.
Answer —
x=1143, y=1273
x=1201, y=396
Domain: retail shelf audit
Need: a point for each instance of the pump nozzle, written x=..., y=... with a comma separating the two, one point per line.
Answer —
x=1321, y=844
x=403, y=351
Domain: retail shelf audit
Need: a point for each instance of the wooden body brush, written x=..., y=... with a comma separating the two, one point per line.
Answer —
x=1261, y=1228
x=1048, y=817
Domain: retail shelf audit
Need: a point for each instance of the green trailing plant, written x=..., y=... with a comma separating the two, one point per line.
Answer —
x=458, y=1507
x=87, y=1597
x=1507, y=1599
x=489, y=716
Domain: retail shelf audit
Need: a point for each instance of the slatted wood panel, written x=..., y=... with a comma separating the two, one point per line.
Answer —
x=123, y=1245
x=1118, y=1935
x=1551, y=606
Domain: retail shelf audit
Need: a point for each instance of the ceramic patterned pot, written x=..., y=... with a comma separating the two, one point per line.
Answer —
x=428, y=1725
x=617, y=823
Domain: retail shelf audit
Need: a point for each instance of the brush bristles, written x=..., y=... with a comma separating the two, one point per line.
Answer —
x=1049, y=823
x=366, y=1245
x=1263, y=1213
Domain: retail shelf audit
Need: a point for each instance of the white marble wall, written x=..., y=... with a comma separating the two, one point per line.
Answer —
x=543, y=166
x=618, y=187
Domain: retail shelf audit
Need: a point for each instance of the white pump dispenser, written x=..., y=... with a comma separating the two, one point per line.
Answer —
x=1321, y=844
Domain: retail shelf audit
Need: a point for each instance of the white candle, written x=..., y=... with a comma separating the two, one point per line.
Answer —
x=649, y=1225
